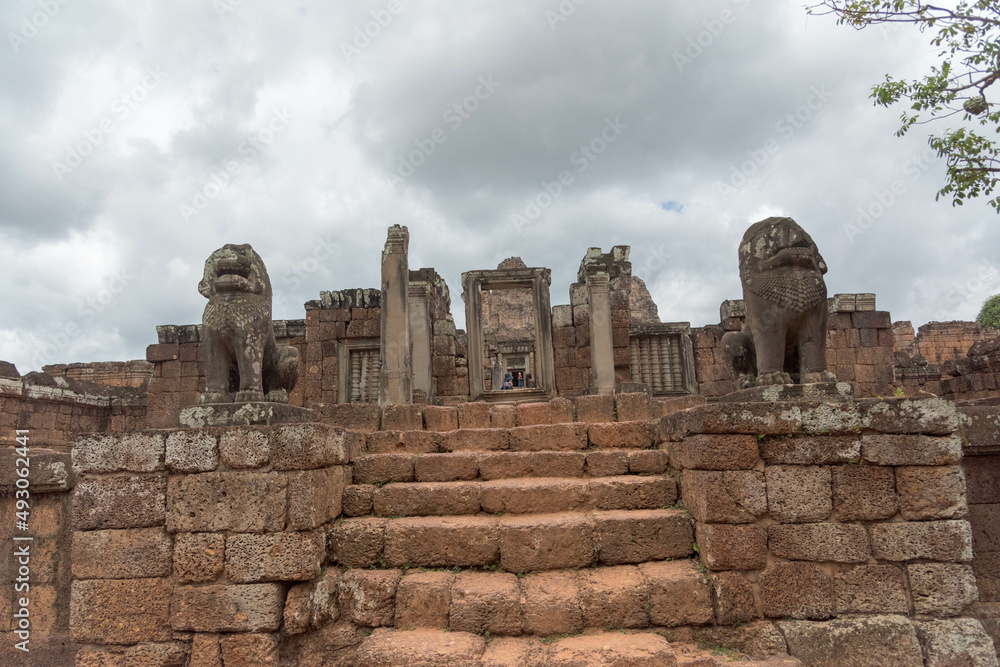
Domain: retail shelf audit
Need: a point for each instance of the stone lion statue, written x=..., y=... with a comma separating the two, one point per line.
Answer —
x=784, y=336
x=242, y=361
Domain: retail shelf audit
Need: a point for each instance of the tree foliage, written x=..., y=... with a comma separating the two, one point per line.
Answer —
x=968, y=36
x=989, y=316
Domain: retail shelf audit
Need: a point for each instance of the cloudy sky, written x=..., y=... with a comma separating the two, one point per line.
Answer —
x=138, y=136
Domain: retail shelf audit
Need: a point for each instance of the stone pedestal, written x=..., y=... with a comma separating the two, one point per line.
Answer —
x=825, y=392
x=244, y=414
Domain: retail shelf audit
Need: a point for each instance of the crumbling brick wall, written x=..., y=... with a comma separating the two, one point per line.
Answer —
x=938, y=342
x=135, y=373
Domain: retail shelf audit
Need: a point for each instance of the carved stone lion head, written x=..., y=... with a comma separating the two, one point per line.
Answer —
x=235, y=269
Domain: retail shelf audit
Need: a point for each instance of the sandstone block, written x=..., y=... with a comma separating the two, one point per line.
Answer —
x=383, y=468
x=433, y=648
x=734, y=599
x=474, y=415
x=870, y=640
x=440, y=418
x=648, y=461
x=864, y=493
x=244, y=447
x=403, y=418
x=715, y=452
x=796, y=590
x=368, y=597
x=121, y=554
x=871, y=589
x=678, y=594
x=165, y=654
x=219, y=608
x=192, y=450
x=274, y=557
x=985, y=520
x=730, y=496
x=545, y=542
x=503, y=416
x=821, y=542
x=423, y=600
x=312, y=445
x=941, y=589
x=811, y=450
x=607, y=463
x=468, y=541
x=638, y=536
x=632, y=493
x=199, y=557
x=931, y=492
x=621, y=435
x=472, y=440
x=249, y=650
x=357, y=542
x=133, y=501
x=127, y=452
x=238, y=501
x=504, y=465
x=549, y=437
x=614, y=597
x=386, y=442
x=446, y=467
x=641, y=650
x=556, y=411
x=962, y=641
x=313, y=604
x=427, y=498
x=314, y=496
x=745, y=418
x=551, y=603
x=725, y=547
x=633, y=407
x=911, y=450
x=120, y=611
x=799, y=493
x=205, y=650
x=595, y=409
x=515, y=652
x=358, y=499
x=930, y=540
x=933, y=416
x=486, y=602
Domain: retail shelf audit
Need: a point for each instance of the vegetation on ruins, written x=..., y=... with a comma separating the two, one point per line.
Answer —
x=989, y=316
x=967, y=34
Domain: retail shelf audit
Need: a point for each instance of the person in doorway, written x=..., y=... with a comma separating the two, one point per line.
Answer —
x=520, y=381
x=507, y=381
x=530, y=384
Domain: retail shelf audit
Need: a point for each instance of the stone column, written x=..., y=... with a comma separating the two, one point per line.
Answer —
x=602, y=355
x=420, y=337
x=395, y=374
x=473, y=296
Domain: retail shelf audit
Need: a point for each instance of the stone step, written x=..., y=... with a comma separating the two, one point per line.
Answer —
x=573, y=436
x=524, y=495
x=464, y=466
x=513, y=543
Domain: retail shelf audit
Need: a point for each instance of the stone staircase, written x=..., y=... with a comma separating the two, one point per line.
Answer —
x=556, y=544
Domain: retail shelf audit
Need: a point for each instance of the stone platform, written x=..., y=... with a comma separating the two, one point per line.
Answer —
x=260, y=413
x=824, y=392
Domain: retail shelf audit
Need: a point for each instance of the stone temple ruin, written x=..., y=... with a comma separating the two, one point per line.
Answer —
x=803, y=483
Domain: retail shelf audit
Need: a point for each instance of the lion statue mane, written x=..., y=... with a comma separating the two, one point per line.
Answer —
x=784, y=336
x=242, y=362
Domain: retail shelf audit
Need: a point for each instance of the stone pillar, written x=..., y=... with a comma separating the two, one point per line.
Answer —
x=602, y=356
x=421, y=337
x=395, y=375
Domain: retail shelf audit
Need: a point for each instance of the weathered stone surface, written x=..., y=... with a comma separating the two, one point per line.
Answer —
x=244, y=447
x=621, y=537
x=796, y=590
x=931, y=492
x=121, y=554
x=836, y=542
x=440, y=418
x=715, y=452
x=249, y=650
x=205, y=650
x=551, y=603
x=596, y=409
x=854, y=642
x=274, y=557
x=606, y=463
x=254, y=413
x=368, y=597
x=871, y=589
x=930, y=540
x=428, y=498
x=726, y=547
x=332, y=644
x=383, y=468
x=825, y=392
x=427, y=648
x=545, y=542
x=811, y=450
x=120, y=611
x=219, y=608
x=733, y=599
x=357, y=542
x=799, y=493
x=648, y=461
x=133, y=501
x=514, y=652
x=358, y=500
x=446, y=467
x=962, y=641
x=307, y=446
x=403, y=417
x=632, y=492
x=486, y=602
x=934, y=416
x=911, y=450
x=678, y=593
x=633, y=406
x=198, y=557
x=238, y=501
x=314, y=496
x=728, y=418
x=864, y=493
x=442, y=541
x=614, y=597
x=474, y=415
x=556, y=411
x=942, y=589
x=127, y=452
x=192, y=451
x=313, y=604
x=552, y=437
x=423, y=600
x=610, y=648
x=730, y=496
x=621, y=435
